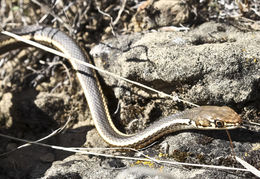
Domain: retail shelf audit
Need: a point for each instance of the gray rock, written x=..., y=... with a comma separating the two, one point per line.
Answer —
x=209, y=65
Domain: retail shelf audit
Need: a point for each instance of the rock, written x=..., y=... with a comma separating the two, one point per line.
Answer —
x=78, y=166
x=207, y=65
x=93, y=139
x=51, y=103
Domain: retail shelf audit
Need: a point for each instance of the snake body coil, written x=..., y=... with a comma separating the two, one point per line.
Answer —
x=204, y=117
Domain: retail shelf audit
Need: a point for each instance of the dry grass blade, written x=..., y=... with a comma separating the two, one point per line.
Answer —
x=248, y=166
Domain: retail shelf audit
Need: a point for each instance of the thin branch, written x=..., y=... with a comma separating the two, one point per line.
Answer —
x=108, y=15
x=119, y=13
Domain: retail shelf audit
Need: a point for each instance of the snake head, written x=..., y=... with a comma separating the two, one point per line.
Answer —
x=215, y=117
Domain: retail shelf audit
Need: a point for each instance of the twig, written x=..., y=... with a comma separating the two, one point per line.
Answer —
x=108, y=15
x=119, y=13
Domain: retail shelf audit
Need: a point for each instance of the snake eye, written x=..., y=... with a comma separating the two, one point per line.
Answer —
x=219, y=123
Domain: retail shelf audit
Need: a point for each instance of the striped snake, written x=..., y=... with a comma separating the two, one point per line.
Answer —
x=202, y=118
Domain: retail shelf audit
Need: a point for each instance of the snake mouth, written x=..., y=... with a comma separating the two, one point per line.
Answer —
x=233, y=127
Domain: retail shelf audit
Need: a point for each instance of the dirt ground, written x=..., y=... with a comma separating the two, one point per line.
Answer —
x=206, y=52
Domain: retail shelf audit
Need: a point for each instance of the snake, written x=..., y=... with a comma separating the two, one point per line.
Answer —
x=202, y=118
